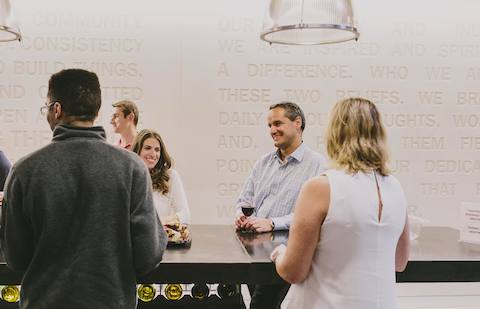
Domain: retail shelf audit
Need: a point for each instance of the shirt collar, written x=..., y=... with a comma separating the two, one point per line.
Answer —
x=65, y=131
x=297, y=154
x=128, y=146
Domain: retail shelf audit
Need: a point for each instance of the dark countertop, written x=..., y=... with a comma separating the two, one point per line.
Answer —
x=442, y=244
x=216, y=255
x=220, y=255
x=438, y=256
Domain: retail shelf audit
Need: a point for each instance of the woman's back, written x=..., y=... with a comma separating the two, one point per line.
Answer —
x=354, y=262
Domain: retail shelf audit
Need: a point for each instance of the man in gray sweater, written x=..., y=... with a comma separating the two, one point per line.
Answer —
x=5, y=166
x=78, y=216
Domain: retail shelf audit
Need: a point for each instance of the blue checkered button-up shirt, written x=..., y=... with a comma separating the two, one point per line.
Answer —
x=273, y=186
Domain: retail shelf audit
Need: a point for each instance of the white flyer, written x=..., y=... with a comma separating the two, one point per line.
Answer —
x=470, y=222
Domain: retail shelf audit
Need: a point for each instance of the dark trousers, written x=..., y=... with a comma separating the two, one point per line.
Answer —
x=267, y=296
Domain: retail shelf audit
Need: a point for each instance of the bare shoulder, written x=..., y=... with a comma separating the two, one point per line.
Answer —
x=316, y=192
x=318, y=185
x=313, y=202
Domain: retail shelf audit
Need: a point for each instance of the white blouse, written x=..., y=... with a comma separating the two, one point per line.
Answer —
x=354, y=262
x=175, y=201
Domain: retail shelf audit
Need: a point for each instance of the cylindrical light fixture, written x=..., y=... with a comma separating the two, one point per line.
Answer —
x=309, y=22
x=9, y=30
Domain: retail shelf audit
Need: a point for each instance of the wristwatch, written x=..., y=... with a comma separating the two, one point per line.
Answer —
x=272, y=225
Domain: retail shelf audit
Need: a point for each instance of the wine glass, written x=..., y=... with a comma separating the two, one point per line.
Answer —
x=247, y=209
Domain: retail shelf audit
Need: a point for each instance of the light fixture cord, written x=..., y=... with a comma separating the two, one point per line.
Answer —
x=301, y=17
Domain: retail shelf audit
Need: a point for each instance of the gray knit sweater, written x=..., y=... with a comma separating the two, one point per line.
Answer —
x=4, y=169
x=78, y=219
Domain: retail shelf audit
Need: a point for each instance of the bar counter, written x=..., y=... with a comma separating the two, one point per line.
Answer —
x=438, y=256
x=219, y=254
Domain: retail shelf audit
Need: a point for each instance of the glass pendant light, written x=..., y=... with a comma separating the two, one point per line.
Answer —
x=309, y=22
x=9, y=30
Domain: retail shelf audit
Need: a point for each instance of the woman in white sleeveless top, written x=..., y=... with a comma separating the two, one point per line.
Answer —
x=350, y=229
x=169, y=196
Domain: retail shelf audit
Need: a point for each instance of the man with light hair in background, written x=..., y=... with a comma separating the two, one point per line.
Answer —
x=124, y=122
x=273, y=186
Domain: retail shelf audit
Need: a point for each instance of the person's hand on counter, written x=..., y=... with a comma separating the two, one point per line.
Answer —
x=240, y=222
x=259, y=225
x=252, y=223
x=278, y=253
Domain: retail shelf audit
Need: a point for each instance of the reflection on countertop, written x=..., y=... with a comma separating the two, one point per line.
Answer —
x=442, y=244
x=260, y=245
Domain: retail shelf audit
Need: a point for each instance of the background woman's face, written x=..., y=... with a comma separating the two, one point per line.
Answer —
x=150, y=152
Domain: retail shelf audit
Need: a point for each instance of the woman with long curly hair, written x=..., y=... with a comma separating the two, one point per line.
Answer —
x=168, y=193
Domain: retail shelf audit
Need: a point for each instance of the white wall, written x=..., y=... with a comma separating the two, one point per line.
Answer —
x=198, y=71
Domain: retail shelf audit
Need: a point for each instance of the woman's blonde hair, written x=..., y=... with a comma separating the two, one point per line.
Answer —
x=355, y=138
x=159, y=173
